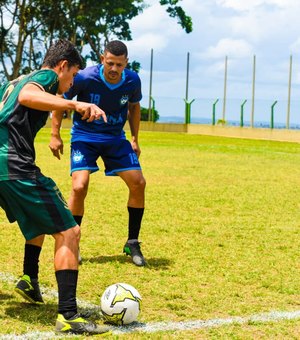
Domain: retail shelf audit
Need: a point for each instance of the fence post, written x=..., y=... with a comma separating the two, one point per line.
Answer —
x=289, y=94
x=214, y=112
x=253, y=92
x=152, y=109
x=188, y=111
x=225, y=89
x=242, y=113
x=272, y=114
x=150, y=85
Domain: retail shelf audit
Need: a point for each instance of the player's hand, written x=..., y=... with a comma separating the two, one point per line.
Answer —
x=56, y=146
x=136, y=148
x=90, y=112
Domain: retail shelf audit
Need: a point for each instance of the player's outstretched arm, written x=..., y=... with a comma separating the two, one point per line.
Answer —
x=34, y=97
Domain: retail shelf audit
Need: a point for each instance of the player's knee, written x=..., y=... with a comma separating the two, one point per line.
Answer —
x=143, y=183
x=73, y=235
x=69, y=236
x=77, y=233
x=139, y=184
x=80, y=189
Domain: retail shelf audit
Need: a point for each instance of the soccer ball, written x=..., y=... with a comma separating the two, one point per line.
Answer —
x=120, y=304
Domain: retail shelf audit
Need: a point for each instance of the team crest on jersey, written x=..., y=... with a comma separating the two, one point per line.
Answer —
x=124, y=100
x=77, y=156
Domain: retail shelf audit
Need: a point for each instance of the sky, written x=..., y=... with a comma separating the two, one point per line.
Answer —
x=238, y=29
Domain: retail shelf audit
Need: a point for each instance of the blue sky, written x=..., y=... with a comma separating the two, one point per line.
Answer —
x=239, y=29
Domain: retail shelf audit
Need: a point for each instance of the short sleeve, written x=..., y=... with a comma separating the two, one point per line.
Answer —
x=47, y=79
x=137, y=93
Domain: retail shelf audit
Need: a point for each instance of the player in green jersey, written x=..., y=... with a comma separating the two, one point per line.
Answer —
x=32, y=199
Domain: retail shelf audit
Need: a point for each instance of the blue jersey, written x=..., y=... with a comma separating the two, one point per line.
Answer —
x=90, y=86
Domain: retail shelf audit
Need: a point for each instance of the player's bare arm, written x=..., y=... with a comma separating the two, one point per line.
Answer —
x=56, y=143
x=34, y=97
x=134, y=118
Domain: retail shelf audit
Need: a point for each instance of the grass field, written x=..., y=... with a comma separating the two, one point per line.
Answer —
x=220, y=233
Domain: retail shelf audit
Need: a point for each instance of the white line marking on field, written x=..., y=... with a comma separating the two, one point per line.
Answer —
x=152, y=327
x=200, y=324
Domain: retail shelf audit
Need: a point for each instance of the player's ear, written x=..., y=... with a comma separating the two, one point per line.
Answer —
x=62, y=64
x=102, y=58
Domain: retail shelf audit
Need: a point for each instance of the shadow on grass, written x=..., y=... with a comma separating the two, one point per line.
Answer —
x=152, y=263
x=5, y=296
x=33, y=314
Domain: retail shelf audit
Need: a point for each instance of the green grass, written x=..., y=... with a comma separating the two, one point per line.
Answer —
x=220, y=233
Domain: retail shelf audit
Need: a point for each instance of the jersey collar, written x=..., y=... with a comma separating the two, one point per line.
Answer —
x=109, y=85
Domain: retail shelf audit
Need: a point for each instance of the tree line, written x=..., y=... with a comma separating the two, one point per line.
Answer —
x=29, y=27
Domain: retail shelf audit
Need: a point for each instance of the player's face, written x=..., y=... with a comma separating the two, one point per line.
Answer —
x=66, y=76
x=113, y=67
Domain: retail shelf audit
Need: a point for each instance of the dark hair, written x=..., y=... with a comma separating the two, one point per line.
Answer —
x=116, y=47
x=63, y=50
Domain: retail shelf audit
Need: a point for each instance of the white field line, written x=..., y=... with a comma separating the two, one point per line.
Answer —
x=151, y=327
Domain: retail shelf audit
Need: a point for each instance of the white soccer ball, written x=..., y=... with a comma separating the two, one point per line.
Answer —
x=120, y=304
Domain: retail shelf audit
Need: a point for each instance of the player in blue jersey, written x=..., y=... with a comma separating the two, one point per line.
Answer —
x=117, y=91
x=32, y=199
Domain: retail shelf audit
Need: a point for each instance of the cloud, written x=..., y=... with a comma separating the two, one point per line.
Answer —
x=226, y=46
x=249, y=5
x=142, y=45
x=239, y=29
x=153, y=29
x=295, y=46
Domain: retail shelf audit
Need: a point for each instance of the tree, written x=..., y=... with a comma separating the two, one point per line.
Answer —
x=145, y=114
x=28, y=27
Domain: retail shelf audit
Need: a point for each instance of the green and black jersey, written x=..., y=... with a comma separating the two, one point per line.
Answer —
x=19, y=126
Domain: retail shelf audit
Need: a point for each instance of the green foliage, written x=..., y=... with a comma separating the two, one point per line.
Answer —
x=153, y=116
x=221, y=122
x=134, y=66
x=87, y=23
x=177, y=12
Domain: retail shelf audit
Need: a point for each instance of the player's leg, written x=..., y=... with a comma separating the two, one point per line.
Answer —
x=80, y=184
x=84, y=157
x=39, y=208
x=83, y=162
x=66, y=272
x=120, y=159
x=14, y=196
x=136, y=184
x=28, y=285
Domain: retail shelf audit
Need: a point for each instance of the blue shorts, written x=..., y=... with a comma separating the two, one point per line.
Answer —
x=37, y=206
x=117, y=156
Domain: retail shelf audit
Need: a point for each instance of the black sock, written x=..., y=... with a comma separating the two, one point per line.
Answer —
x=31, y=261
x=134, y=222
x=67, y=285
x=78, y=219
